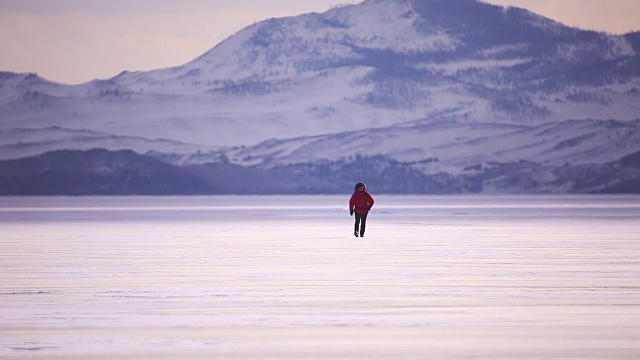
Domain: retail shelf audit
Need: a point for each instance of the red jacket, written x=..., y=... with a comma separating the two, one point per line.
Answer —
x=361, y=202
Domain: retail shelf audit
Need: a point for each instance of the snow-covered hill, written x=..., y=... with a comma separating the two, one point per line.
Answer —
x=442, y=85
x=451, y=146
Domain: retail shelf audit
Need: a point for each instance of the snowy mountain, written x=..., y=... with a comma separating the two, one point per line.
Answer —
x=438, y=86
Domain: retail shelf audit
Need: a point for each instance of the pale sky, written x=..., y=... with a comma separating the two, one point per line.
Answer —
x=74, y=41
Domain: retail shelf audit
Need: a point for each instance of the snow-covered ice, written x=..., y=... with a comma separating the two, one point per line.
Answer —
x=282, y=277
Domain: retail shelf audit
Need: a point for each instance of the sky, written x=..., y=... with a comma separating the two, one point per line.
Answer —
x=75, y=41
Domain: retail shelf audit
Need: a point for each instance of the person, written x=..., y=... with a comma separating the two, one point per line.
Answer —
x=360, y=204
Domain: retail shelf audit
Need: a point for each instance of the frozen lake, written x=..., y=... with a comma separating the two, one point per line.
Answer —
x=282, y=277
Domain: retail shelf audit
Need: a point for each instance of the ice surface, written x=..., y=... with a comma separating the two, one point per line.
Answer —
x=281, y=277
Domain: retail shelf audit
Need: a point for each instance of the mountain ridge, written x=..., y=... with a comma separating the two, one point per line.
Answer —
x=464, y=82
x=103, y=172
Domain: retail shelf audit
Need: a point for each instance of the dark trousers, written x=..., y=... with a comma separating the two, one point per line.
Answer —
x=361, y=222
